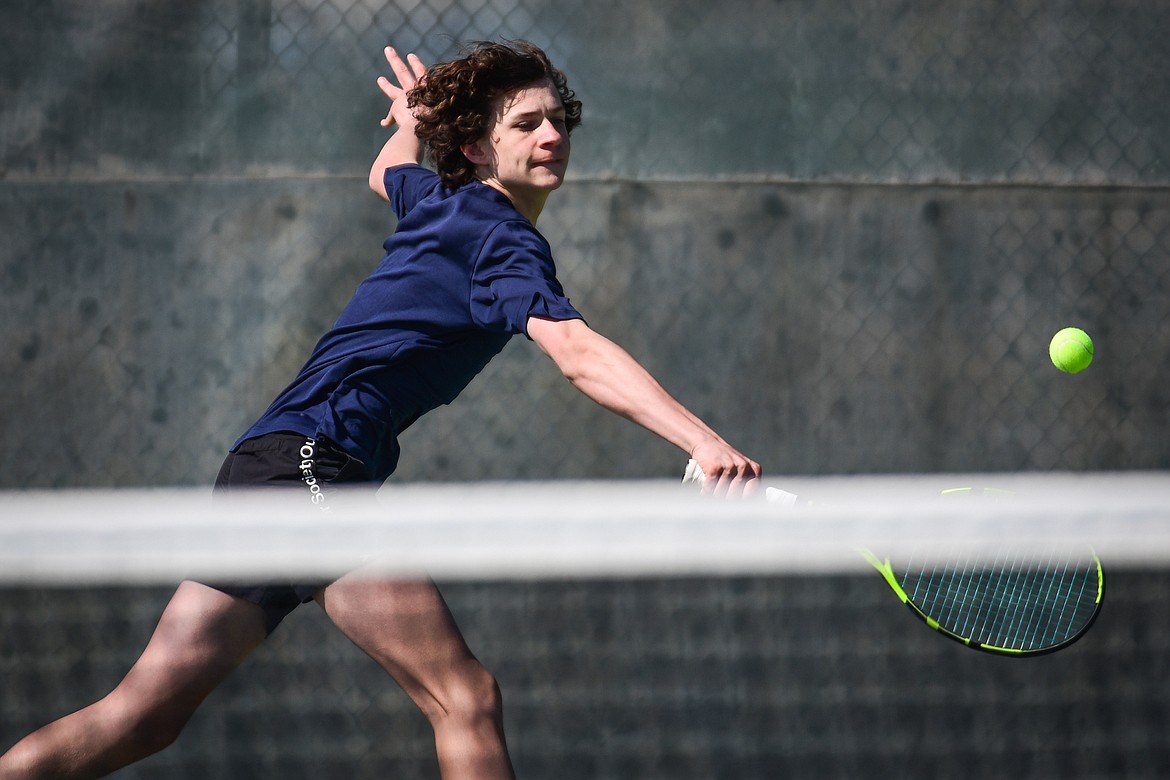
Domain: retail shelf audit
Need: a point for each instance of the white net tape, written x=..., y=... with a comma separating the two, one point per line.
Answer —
x=483, y=531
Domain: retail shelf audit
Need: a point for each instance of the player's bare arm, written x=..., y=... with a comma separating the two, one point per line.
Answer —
x=403, y=146
x=610, y=376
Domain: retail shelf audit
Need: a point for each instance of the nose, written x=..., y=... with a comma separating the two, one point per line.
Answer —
x=552, y=133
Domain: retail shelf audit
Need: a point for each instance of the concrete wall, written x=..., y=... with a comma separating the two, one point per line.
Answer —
x=845, y=236
x=843, y=233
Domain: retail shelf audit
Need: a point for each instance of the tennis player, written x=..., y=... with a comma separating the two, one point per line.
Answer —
x=464, y=271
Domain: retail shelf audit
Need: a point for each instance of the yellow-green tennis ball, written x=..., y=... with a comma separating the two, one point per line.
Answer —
x=1071, y=350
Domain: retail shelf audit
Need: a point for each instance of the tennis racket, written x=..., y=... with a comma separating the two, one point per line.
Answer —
x=1004, y=601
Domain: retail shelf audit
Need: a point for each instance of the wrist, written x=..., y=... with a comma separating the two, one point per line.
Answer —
x=706, y=439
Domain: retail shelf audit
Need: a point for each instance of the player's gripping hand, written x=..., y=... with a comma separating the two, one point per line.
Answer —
x=724, y=471
x=409, y=73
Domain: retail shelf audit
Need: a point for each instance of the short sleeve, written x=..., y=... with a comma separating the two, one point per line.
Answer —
x=407, y=184
x=515, y=279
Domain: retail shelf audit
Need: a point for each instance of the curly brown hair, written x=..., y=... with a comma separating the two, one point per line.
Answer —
x=455, y=100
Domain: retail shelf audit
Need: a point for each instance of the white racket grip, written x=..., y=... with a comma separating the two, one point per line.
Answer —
x=781, y=497
x=693, y=473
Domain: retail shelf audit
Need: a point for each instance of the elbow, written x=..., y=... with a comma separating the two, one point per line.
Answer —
x=571, y=369
x=566, y=358
x=579, y=361
x=377, y=181
x=568, y=343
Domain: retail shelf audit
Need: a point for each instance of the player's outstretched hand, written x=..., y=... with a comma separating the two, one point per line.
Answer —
x=724, y=471
x=408, y=72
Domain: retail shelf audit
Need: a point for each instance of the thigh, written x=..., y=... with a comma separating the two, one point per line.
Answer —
x=202, y=636
x=406, y=627
x=318, y=471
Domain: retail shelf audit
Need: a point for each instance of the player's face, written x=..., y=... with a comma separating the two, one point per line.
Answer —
x=526, y=151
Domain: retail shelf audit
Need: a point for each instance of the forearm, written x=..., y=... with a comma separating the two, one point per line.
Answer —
x=610, y=376
x=606, y=373
x=404, y=146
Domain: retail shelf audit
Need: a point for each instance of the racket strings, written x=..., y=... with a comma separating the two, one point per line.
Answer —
x=1007, y=601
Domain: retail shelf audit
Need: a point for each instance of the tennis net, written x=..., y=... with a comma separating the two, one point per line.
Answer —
x=526, y=530
x=637, y=630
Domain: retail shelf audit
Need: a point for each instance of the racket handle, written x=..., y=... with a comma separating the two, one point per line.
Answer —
x=782, y=498
x=694, y=473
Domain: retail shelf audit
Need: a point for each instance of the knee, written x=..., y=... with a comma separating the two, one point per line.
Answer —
x=154, y=732
x=146, y=728
x=472, y=695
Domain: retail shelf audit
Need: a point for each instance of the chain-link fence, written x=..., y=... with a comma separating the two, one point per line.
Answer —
x=841, y=232
x=1022, y=92
x=743, y=679
x=843, y=235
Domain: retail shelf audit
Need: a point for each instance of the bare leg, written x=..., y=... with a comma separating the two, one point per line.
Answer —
x=406, y=627
x=201, y=637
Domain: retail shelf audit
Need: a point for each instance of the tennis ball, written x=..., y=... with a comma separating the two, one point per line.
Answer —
x=1071, y=350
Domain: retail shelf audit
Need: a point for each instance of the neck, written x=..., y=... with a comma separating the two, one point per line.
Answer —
x=529, y=204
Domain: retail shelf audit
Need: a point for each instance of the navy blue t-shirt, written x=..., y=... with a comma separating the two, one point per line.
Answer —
x=462, y=274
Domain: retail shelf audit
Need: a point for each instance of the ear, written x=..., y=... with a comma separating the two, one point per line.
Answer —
x=474, y=153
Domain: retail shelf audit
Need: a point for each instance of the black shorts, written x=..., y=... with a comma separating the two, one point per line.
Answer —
x=287, y=461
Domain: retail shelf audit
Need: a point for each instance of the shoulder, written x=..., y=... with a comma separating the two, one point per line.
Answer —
x=493, y=215
x=515, y=235
x=411, y=172
x=408, y=184
x=486, y=203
